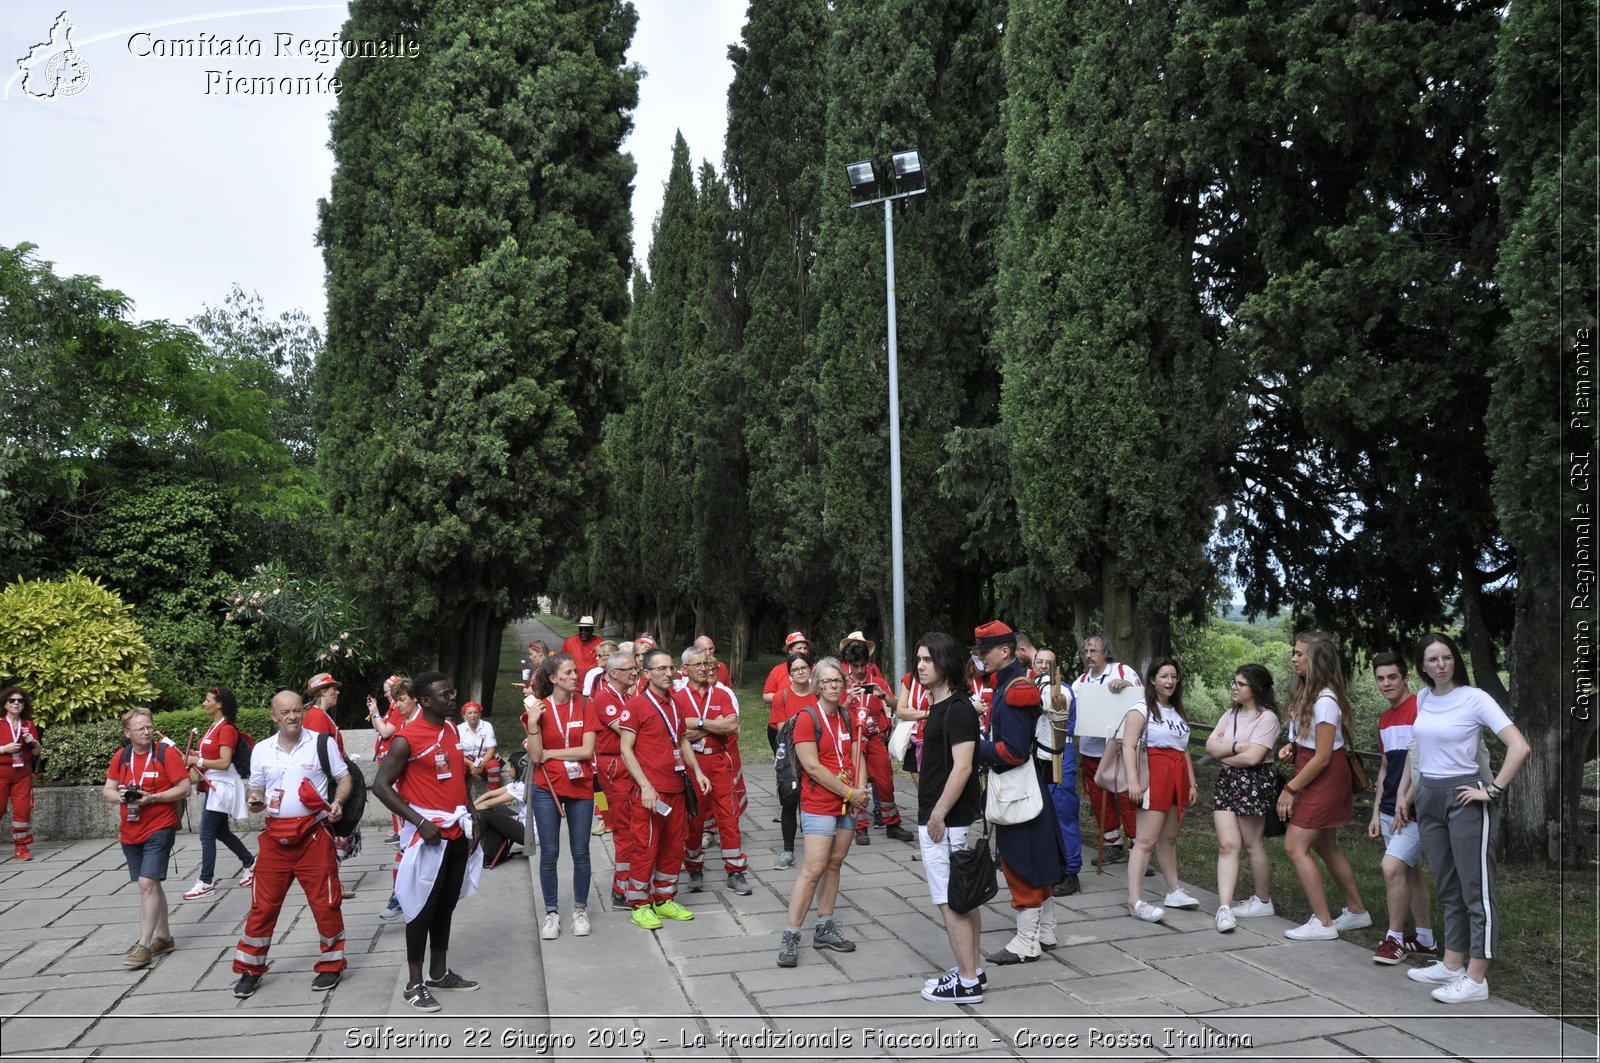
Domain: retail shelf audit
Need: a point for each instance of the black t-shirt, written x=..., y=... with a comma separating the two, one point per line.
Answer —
x=950, y=723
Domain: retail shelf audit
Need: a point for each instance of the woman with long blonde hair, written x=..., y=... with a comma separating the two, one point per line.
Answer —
x=1318, y=801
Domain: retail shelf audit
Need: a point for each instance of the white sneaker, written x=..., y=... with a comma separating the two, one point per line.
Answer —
x=1225, y=920
x=580, y=923
x=1462, y=991
x=1254, y=908
x=199, y=889
x=1348, y=920
x=1179, y=899
x=552, y=926
x=1436, y=973
x=1313, y=930
x=1146, y=911
x=955, y=972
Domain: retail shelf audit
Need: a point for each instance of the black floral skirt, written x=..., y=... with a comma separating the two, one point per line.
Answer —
x=1246, y=791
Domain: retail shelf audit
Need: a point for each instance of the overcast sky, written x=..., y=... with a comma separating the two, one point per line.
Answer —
x=170, y=188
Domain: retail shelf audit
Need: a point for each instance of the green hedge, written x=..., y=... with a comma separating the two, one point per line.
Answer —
x=77, y=756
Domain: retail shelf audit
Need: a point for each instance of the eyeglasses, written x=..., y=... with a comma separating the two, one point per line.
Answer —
x=1239, y=683
x=660, y=668
x=16, y=701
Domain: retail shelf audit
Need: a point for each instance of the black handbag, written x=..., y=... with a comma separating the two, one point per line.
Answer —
x=974, y=879
x=691, y=799
x=1276, y=827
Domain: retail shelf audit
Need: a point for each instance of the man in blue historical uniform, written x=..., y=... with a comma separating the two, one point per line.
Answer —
x=1030, y=853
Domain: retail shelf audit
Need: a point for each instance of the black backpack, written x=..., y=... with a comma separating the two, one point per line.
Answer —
x=784, y=763
x=241, y=755
x=356, y=805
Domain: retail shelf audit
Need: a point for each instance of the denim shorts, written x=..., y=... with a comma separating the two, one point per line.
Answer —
x=1405, y=844
x=826, y=826
x=149, y=859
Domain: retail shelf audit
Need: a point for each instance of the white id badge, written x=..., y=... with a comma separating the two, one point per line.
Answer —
x=441, y=766
x=574, y=769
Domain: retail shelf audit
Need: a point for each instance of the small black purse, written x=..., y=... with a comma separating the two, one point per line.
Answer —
x=973, y=876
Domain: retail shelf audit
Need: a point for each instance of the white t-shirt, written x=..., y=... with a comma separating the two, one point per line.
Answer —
x=475, y=743
x=593, y=676
x=1169, y=732
x=1449, y=727
x=1326, y=710
x=276, y=772
x=1096, y=747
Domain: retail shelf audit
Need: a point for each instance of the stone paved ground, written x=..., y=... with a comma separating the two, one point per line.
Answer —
x=708, y=989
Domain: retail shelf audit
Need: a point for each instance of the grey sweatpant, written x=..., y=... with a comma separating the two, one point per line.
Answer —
x=1459, y=841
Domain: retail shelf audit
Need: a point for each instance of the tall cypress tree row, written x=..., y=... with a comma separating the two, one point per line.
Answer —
x=476, y=240
x=1116, y=401
x=1542, y=112
x=774, y=164
x=921, y=74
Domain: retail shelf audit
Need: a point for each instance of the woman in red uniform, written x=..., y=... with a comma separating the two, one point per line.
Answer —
x=789, y=700
x=829, y=754
x=19, y=741
x=224, y=791
x=148, y=780
x=561, y=758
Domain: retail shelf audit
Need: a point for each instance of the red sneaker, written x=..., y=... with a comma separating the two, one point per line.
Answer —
x=1417, y=948
x=1390, y=952
x=20, y=852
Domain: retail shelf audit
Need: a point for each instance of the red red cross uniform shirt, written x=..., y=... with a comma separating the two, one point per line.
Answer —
x=435, y=775
x=715, y=702
x=920, y=701
x=836, y=751
x=315, y=719
x=20, y=762
x=658, y=725
x=868, y=712
x=563, y=727
x=606, y=706
x=394, y=718
x=222, y=733
x=154, y=772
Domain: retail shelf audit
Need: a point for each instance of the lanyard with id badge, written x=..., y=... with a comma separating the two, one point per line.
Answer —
x=574, y=767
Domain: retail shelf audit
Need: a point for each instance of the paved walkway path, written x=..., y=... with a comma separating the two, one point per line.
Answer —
x=707, y=989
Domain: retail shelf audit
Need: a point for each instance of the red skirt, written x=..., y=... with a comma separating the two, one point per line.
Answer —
x=1169, y=781
x=1327, y=802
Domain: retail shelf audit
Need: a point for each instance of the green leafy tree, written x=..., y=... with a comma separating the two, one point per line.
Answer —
x=75, y=647
x=476, y=239
x=1542, y=113
x=1117, y=397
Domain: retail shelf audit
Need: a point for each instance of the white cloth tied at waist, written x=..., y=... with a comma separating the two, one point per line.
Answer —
x=420, y=862
x=227, y=793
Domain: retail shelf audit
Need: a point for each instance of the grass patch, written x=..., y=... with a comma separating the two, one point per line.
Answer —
x=560, y=625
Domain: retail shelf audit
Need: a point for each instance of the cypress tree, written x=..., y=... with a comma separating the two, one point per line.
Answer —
x=476, y=240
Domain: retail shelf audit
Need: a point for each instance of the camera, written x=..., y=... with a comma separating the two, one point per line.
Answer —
x=131, y=795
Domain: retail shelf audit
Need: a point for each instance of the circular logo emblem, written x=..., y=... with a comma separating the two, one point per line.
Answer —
x=66, y=73
x=624, y=717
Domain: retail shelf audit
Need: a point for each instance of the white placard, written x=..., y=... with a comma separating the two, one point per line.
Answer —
x=1100, y=711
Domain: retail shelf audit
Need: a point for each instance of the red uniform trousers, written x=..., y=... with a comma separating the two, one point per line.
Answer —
x=881, y=774
x=721, y=803
x=1108, y=807
x=313, y=864
x=16, y=787
x=623, y=797
x=657, y=851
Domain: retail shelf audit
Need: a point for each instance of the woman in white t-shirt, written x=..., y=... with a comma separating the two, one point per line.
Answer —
x=1318, y=801
x=1243, y=742
x=1169, y=790
x=1455, y=808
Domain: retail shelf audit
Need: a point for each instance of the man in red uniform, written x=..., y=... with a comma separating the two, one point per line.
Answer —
x=322, y=697
x=710, y=712
x=610, y=772
x=148, y=780
x=778, y=678
x=424, y=781
x=583, y=647
x=707, y=643
x=288, y=784
x=866, y=704
x=656, y=750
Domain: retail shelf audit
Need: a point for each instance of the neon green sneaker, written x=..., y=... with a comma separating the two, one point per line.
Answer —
x=646, y=918
x=673, y=910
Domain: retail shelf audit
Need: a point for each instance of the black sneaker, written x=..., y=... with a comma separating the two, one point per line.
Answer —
x=897, y=833
x=877, y=819
x=324, y=981
x=245, y=987
x=697, y=881
x=419, y=998
x=951, y=991
x=1066, y=887
x=452, y=982
x=618, y=900
x=862, y=837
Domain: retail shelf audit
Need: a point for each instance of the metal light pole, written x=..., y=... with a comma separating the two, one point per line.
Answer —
x=865, y=189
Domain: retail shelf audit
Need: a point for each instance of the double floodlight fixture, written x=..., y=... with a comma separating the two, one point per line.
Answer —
x=905, y=179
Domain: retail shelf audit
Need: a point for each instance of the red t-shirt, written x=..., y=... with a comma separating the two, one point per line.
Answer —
x=154, y=772
x=605, y=705
x=868, y=713
x=563, y=727
x=777, y=679
x=785, y=703
x=582, y=653
x=419, y=784
x=658, y=725
x=222, y=733
x=836, y=751
x=315, y=719
x=19, y=763
x=714, y=703
x=394, y=718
